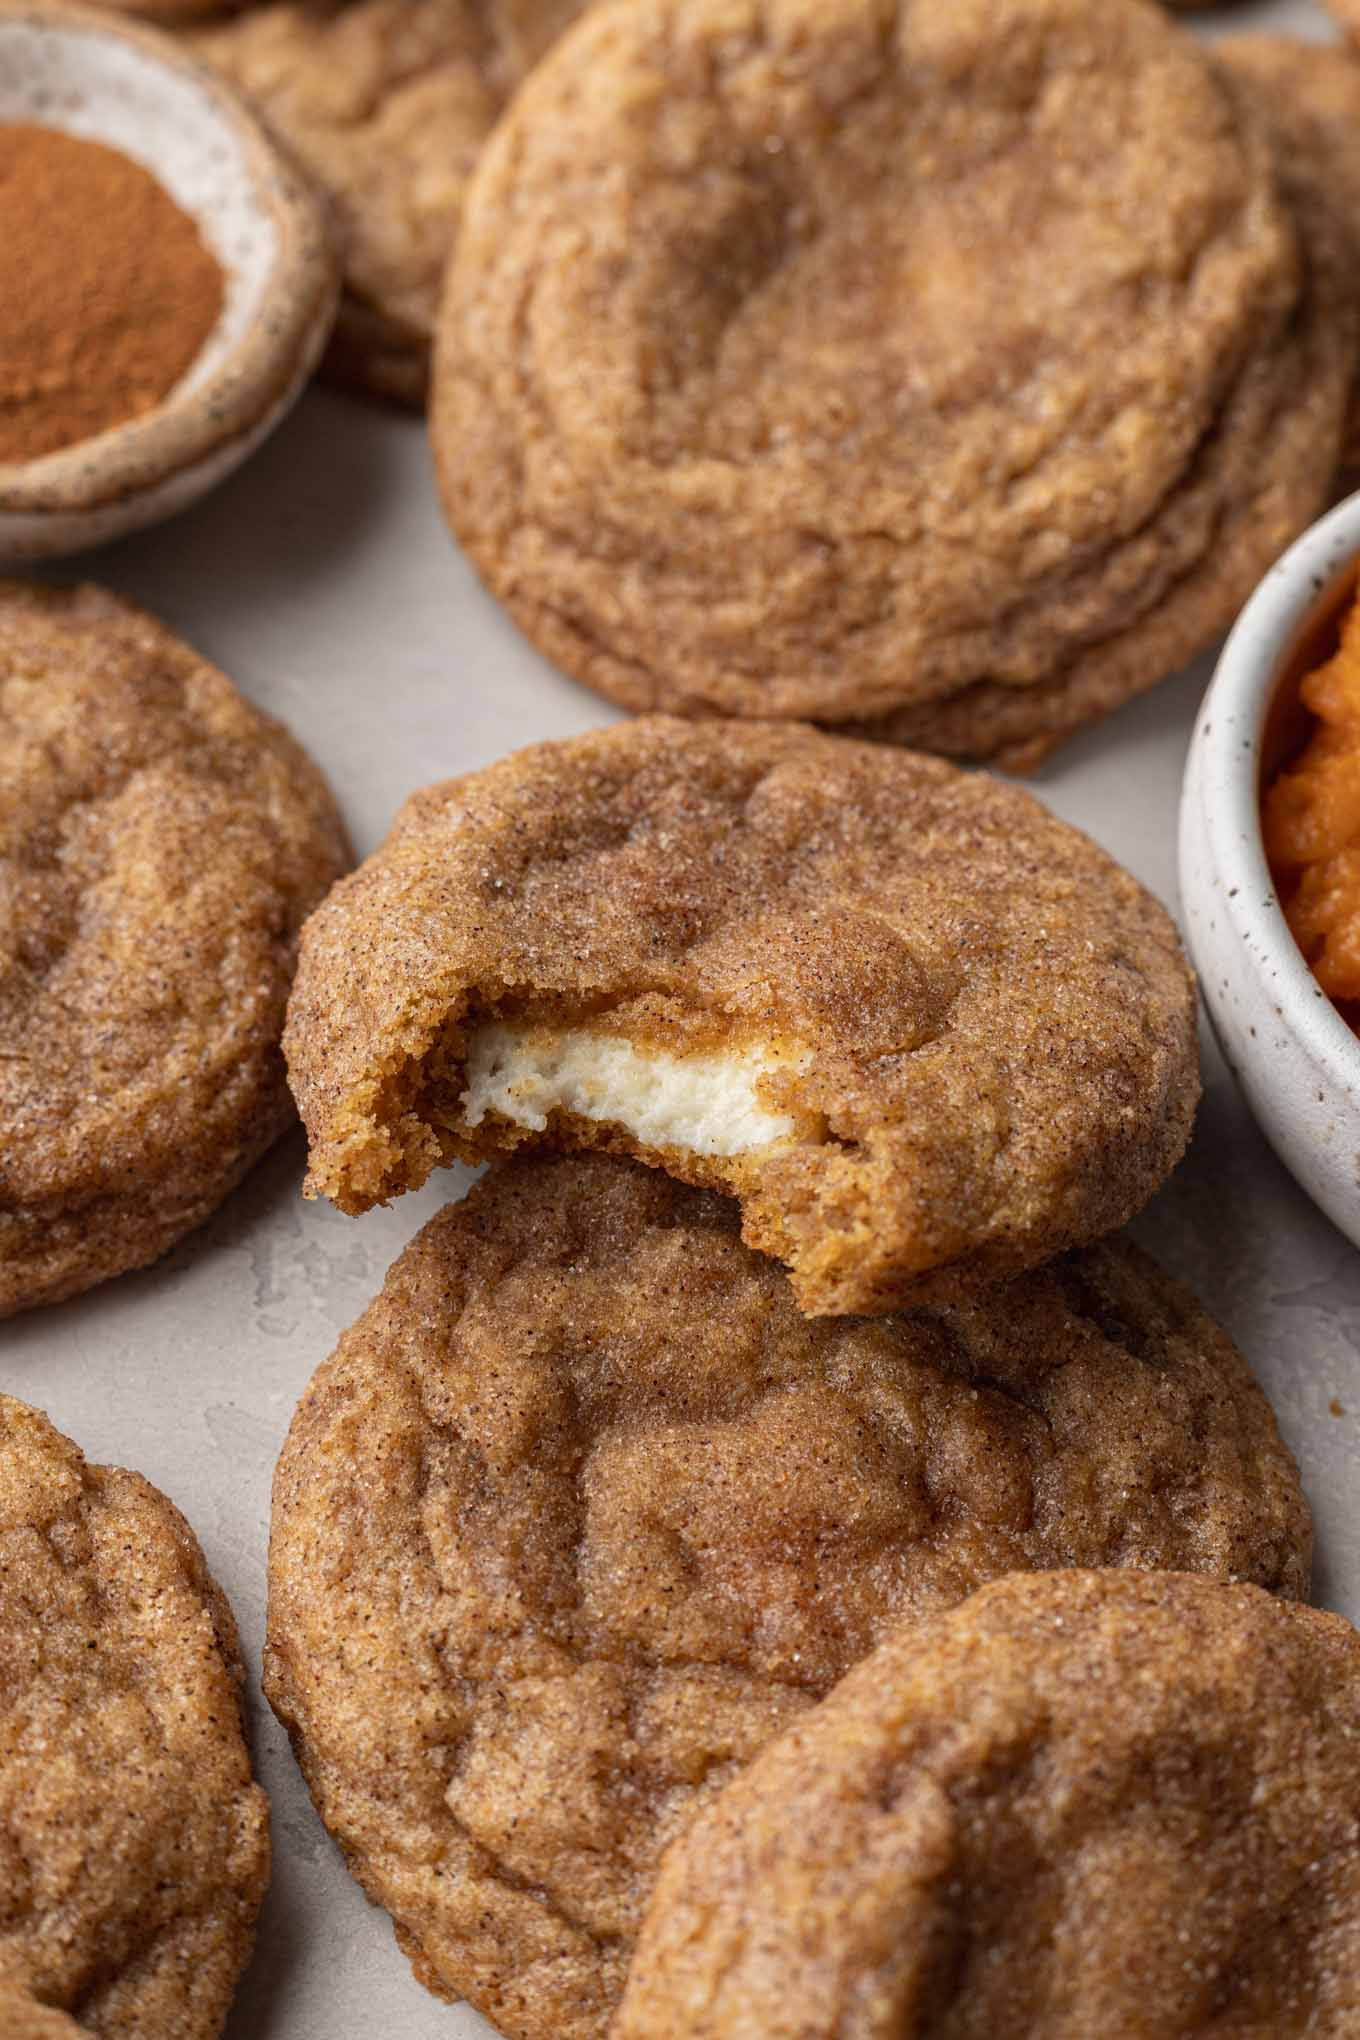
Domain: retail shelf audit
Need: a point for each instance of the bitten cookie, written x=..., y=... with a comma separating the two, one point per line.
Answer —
x=583, y=1512
x=387, y=103
x=134, y=1844
x=160, y=843
x=920, y=1028
x=1080, y=1804
x=954, y=367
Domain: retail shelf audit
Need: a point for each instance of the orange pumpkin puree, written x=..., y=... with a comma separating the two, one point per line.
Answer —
x=1311, y=815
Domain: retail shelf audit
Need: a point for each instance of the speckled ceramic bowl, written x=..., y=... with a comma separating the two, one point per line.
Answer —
x=1297, y=1061
x=102, y=78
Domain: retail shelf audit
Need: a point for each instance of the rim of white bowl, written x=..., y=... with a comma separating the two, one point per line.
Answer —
x=1296, y=596
x=248, y=363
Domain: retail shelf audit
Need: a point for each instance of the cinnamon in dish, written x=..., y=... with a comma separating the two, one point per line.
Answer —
x=107, y=290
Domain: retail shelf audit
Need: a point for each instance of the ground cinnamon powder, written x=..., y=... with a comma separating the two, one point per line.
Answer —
x=107, y=291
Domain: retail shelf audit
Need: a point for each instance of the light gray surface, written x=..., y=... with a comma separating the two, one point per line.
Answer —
x=321, y=578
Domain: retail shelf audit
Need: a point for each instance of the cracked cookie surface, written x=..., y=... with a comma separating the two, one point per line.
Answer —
x=582, y=1512
x=953, y=367
x=387, y=103
x=1080, y=1803
x=923, y=1030
x=161, y=841
x=134, y=1843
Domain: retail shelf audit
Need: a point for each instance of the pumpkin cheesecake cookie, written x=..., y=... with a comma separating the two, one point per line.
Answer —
x=923, y=1030
x=134, y=1843
x=1079, y=1804
x=161, y=841
x=1310, y=93
x=583, y=1511
x=387, y=103
x=954, y=367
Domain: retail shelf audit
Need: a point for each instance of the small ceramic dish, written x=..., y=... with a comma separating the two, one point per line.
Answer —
x=1296, y=1059
x=102, y=78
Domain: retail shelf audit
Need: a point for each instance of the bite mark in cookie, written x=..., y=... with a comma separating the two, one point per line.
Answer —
x=704, y=1104
x=926, y=1033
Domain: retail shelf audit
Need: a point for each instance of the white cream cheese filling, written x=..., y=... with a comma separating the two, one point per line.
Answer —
x=707, y=1104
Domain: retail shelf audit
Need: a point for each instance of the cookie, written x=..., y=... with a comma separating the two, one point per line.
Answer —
x=22, y=2019
x=922, y=1029
x=1347, y=13
x=387, y=103
x=1310, y=93
x=172, y=14
x=160, y=843
x=951, y=367
x=582, y=1512
x=134, y=1844
x=1081, y=1803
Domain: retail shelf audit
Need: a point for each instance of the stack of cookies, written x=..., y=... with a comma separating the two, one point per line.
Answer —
x=648, y=1515
x=949, y=370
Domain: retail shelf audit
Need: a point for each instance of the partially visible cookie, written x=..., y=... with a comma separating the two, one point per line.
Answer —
x=1347, y=12
x=21, y=2018
x=1310, y=92
x=170, y=14
x=954, y=367
x=921, y=1028
x=582, y=1512
x=174, y=13
x=387, y=103
x=134, y=1843
x=1079, y=1804
x=161, y=841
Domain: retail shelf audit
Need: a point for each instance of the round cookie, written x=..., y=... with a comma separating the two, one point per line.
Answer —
x=387, y=103
x=160, y=843
x=1347, y=12
x=134, y=1844
x=924, y=1031
x=1081, y=1803
x=952, y=367
x=1310, y=93
x=582, y=1512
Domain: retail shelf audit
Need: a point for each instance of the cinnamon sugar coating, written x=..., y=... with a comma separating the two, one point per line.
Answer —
x=387, y=103
x=1079, y=1804
x=583, y=1512
x=134, y=1843
x=160, y=843
x=996, y=1023
x=954, y=367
